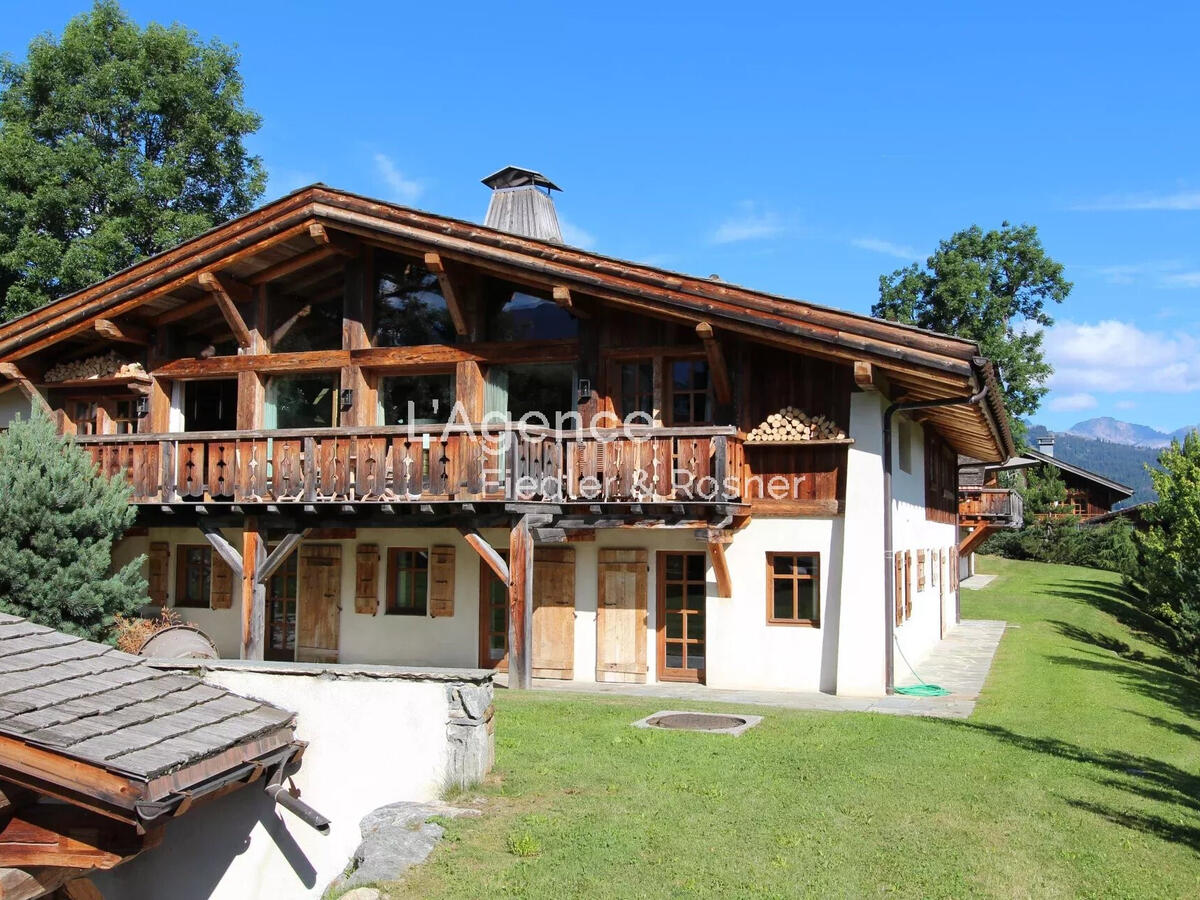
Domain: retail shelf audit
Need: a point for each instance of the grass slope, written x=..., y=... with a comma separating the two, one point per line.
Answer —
x=1076, y=776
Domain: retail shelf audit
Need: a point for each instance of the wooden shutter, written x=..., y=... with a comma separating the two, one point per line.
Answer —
x=553, y=648
x=621, y=616
x=220, y=593
x=160, y=558
x=907, y=584
x=920, y=570
x=899, y=585
x=441, y=581
x=366, y=579
x=318, y=608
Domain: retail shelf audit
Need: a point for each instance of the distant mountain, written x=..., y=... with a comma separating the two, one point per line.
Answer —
x=1120, y=462
x=1107, y=428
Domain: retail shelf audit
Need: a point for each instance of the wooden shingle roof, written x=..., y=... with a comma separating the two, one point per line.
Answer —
x=89, y=702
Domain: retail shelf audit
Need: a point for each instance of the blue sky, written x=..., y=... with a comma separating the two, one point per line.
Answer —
x=783, y=146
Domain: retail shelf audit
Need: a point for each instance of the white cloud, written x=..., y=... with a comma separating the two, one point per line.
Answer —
x=402, y=188
x=1183, y=280
x=575, y=236
x=1113, y=356
x=1126, y=404
x=1072, y=402
x=750, y=224
x=875, y=245
x=1178, y=201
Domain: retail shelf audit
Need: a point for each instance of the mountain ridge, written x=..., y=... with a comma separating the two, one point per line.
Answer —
x=1115, y=431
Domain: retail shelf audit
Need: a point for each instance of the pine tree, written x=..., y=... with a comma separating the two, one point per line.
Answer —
x=59, y=519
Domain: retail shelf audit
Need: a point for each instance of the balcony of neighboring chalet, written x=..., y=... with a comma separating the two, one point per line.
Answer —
x=982, y=511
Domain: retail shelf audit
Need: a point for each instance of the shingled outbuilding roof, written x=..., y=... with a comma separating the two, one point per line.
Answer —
x=158, y=732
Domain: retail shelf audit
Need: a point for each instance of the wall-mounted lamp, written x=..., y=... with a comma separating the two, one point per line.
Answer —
x=585, y=390
x=346, y=399
x=141, y=407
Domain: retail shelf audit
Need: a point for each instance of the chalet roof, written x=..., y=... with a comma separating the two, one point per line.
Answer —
x=915, y=364
x=89, y=702
x=1031, y=458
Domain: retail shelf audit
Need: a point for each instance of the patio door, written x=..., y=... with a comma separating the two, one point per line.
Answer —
x=281, y=612
x=681, y=612
x=493, y=619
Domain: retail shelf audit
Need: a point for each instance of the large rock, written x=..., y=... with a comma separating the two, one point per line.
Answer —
x=394, y=838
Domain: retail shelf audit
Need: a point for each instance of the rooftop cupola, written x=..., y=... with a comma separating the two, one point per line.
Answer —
x=521, y=204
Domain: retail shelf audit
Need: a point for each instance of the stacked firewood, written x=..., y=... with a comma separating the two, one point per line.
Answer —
x=108, y=365
x=794, y=424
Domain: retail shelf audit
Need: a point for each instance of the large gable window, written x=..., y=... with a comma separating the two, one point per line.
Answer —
x=409, y=309
x=691, y=398
x=527, y=318
x=416, y=399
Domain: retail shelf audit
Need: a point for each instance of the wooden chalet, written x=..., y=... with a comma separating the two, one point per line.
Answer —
x=99, y=752
x=277, y=392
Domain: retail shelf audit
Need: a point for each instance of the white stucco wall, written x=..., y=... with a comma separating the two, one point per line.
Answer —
x=13, y=403
x=372, y=741
x=932, y=612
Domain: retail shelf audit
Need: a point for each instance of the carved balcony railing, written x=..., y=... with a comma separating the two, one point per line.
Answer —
x=998, y=507
x=397, y=464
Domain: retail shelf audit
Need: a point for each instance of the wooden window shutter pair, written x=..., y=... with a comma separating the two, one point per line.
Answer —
x=160, y=558
x=908, y=584
x=441, y=581
x=366, y=579
x=220, y=591
x=899, y=617
x=920, y=570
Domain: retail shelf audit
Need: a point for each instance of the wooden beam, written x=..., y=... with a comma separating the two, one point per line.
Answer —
x=433, y=262
x=279, y=555
x=63, y=835
x=486, y=552
x=295, y=264
x=11, y=371
x=37, y=881
x=224, y=549
x=716, y=552
x=722, y=384
x=184, y=311
x=337, y=241
x=80, y=889
x=128, y=334
x=520, y=605
x=254, y=592
x=228, y=293
x=869, y=377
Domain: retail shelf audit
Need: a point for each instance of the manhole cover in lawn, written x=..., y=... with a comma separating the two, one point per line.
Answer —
x=715, y=723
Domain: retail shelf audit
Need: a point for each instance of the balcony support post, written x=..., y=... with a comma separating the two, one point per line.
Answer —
x=254, y=592
x=520, y=605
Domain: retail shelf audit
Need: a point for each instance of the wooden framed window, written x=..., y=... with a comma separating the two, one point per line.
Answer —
x=635, y=385
x=193, y=576
x=794, y=589
x=691, y=398
x=408, y=581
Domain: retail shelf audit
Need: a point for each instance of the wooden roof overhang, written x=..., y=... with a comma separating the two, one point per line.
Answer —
x=279, y=241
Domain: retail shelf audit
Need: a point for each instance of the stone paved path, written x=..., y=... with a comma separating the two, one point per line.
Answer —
x=976, y=582
x=959, y=663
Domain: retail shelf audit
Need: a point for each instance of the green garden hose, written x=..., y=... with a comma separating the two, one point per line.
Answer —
x=924, y=689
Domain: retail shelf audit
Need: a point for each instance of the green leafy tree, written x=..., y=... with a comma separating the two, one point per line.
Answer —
x=1170, y=547
x=1044, y=492
x=59, y=519
x=994, y=288
x=116, y=142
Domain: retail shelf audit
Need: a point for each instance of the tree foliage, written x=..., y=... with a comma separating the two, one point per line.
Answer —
x=59, y=519
x=993, y=287
x=116, y=142
x=1170, y=547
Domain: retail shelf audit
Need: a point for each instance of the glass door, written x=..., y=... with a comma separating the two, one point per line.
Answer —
x=681, y=603
x=493, y=619
x=282, y=592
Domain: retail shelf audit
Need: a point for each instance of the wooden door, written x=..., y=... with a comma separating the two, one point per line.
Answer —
x=493, y=619
x=319, y=603
x=682, y=596
x=621, y=616
x=553, y=649
x=281, y=612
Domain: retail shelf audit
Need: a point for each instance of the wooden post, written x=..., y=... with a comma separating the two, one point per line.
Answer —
x=254, y=592
x=355, y=303
x=520, y=606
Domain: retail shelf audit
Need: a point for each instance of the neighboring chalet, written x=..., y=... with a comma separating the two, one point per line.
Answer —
x=782, y=513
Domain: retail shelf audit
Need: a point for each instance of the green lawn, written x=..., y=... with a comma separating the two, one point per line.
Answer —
x=1077, y=775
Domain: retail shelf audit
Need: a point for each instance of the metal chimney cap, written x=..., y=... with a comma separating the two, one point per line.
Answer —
x=516, y=176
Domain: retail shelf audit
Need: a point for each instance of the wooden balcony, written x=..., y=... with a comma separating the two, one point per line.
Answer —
x=389, y=465
x=999, y=507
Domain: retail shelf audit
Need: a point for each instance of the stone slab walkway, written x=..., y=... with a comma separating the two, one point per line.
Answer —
x=960, y=663
x=976, y=582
